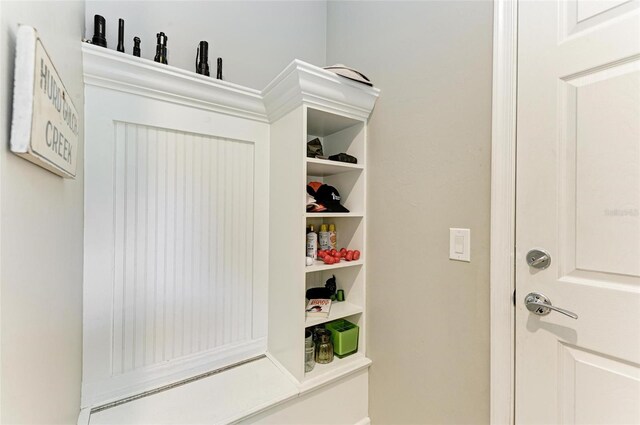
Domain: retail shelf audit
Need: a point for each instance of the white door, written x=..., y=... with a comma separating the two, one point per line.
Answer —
x=578, y=197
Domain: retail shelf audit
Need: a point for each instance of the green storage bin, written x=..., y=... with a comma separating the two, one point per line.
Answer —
x=344, y=336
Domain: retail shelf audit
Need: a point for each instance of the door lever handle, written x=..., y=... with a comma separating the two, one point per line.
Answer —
x=539, y=304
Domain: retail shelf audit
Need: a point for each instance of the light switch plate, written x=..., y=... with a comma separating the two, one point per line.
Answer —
x=460, y=244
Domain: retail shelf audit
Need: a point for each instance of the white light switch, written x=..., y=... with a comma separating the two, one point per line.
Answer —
x=460, y=244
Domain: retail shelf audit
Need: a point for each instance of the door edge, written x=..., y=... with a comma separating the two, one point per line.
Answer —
x=503, y=208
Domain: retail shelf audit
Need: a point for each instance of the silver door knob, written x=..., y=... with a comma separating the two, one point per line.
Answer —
x=538, y=259
x=539, y=304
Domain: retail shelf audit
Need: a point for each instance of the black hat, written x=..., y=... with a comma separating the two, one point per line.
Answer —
x=329, y=197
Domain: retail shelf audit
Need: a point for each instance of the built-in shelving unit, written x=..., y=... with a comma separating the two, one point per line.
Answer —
x=225, y=139
x=338, y=134
x=336, y=111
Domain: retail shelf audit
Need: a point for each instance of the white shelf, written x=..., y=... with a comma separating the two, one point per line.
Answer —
x=332, y=215
x=320, y=265
x=323, y=373
x=339, y=309
x=325, y=167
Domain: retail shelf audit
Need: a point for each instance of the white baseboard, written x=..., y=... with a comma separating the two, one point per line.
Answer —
x=364, y=421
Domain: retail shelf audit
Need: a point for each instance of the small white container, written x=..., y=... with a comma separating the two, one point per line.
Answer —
x=312, y=244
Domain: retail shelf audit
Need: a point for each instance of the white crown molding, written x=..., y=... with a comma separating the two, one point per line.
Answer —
x=111, y=69
x=301, y=82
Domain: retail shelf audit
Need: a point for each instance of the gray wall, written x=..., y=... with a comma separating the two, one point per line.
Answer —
x=40, y=241
x=256, y=39
x=429, y=170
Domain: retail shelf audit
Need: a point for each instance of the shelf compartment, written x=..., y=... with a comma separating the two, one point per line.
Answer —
x=321, y=123
x=326, y=167
x=324, y=373
x=339, y=310
x=349, y=233
x=349, y=279
x=350, y=185
x=319, y=266
x=336, y=133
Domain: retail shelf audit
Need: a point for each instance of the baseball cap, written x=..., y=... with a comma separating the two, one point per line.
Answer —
x=329, y=197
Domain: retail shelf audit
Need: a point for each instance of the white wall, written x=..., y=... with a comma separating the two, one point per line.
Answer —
x=40, y=241
x=429, y=169
x=256, y=39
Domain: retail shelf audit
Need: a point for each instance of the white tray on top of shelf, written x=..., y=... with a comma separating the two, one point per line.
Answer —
x=339, y=309
x=320, y=265
x=327, y=167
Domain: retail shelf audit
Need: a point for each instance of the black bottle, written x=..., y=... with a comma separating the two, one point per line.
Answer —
x=99, y=31
x=161, y=48
x=219, y=70
x=136, y=46
x=202, y=58
x=120, y=47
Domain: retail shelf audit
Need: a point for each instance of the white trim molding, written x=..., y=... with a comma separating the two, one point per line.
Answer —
x=503, y=187
x=299, y=82
x=302, y=82
x=114, y=70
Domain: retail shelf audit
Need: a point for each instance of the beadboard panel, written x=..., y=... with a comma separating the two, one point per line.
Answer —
x=183, y=232
x=173, y=275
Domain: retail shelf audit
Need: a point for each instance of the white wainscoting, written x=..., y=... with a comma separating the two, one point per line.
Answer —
x=183, y=236
x=174, y=283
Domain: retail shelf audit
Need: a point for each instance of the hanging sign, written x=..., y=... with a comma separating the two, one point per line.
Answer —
x=45, y=127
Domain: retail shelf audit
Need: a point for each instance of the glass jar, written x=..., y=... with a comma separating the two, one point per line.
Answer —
x=309, y=352
x=324, y=346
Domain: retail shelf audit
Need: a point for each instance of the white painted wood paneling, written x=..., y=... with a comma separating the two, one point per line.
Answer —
x=349, y=397
x=183, y=229
x=579, y=16
x=597, y=388
x=605, y=113
x=586, y=9
x=173, y=271
x=286, y=308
